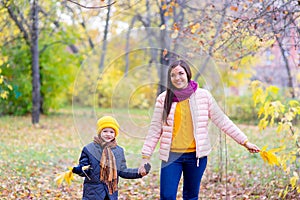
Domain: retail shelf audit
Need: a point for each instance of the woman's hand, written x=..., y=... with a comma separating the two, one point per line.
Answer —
x=252, y=148
x=142, y=169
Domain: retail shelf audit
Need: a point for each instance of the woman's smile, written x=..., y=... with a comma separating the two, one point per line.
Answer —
x=179, y=77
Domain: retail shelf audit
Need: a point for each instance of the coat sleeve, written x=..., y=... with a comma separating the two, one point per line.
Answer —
x=155, y=128
x=124, y=172
x=220, y=119
x=83, y=161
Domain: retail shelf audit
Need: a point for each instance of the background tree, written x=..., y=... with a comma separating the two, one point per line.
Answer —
x=34, y=48
x=104, y=45
x=24, y=50
x=30, y=35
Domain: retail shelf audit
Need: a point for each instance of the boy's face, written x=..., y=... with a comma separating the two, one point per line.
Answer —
x=108, y=134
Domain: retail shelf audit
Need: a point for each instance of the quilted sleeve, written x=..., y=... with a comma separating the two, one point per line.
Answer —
x=222, y=121
x=155, y=128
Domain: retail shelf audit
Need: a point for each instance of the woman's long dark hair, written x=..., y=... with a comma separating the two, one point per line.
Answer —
x=170, y=87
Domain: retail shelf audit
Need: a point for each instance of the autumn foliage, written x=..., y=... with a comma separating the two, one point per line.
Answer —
x=32, y=157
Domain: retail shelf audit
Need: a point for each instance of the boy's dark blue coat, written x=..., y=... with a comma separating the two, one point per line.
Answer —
x=93, y=188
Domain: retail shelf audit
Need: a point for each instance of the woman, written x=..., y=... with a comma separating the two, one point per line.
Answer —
x=180, y=121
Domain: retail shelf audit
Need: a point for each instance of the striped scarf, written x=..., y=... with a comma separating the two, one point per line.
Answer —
x=108, y=167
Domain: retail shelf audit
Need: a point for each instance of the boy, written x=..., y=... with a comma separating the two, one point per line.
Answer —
x=103, y=161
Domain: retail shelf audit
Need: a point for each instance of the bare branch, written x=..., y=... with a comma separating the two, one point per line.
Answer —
x=92, y=7
x=49, y=45
x=18, y=22
x=210, y=50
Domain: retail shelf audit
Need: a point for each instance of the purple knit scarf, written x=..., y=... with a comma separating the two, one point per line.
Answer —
x=183, y=94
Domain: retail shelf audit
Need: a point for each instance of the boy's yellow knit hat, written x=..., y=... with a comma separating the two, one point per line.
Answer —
x=108, y=122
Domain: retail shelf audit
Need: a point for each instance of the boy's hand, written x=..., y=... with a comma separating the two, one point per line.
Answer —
x=80, y=170
x=77, y=170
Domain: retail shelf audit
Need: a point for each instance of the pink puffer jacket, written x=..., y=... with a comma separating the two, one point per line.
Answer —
x=203, y=107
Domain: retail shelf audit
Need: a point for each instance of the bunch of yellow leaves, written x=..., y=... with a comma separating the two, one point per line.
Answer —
x=269, y=156
x=67, y=176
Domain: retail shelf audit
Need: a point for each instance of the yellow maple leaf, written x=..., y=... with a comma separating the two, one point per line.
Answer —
x=269, y=156
x=65, y=176
x=59, y=179
x=69, y=176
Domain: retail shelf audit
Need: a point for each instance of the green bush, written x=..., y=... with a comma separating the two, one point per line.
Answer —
x=241, y=109
x=57, y=74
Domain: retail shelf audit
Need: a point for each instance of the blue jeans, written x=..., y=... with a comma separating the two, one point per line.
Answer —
x=171, y=171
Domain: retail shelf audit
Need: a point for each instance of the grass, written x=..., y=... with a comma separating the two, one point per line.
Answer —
x=31, y=158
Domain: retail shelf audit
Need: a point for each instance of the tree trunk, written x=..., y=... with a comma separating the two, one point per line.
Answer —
x=36, y=95
x=164, y=55
x=164, y=63
x=127, y=45
x=287, y=67
x=104, y=45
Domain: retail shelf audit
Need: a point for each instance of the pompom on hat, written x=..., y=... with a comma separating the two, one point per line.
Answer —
x=108, y=122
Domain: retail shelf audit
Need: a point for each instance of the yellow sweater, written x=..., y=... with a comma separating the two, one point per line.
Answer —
x=183, y=140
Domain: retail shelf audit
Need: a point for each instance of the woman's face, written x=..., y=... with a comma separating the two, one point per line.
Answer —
x=108, y=134
x=179, y=77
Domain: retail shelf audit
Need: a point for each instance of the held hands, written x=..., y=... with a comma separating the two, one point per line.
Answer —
x=145, y=167
x=252, y=148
